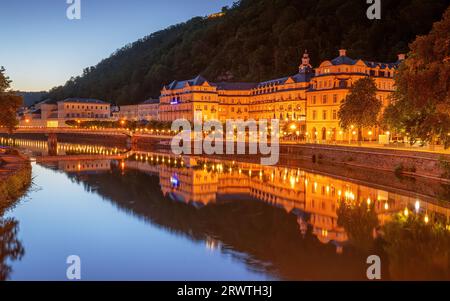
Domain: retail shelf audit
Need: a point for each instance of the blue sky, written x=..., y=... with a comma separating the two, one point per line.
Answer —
x=42, y=48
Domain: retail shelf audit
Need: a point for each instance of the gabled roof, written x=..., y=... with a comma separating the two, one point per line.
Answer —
x=381, y=65
x=277, y=81
x=303, y=77
x=197, y=81
x=297, y=78
x=345, y=60
x=84, y=100
x=235, y=86
x=150, y=101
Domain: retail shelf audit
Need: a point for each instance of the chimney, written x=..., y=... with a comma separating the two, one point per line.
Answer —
x=401, y=56
x=342, y=52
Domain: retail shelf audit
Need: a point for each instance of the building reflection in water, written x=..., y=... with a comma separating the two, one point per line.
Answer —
x=290, y=223
x=339, y=214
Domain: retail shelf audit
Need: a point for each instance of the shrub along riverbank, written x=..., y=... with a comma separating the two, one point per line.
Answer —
x=15, y=178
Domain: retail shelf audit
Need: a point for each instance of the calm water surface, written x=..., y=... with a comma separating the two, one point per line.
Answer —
x=151, y=216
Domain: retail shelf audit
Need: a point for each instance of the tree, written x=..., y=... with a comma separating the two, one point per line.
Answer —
x=11, y=247
x=361, y=106
x=359, y=220
x=253, y=41
x=420, y=107
x=9, y=103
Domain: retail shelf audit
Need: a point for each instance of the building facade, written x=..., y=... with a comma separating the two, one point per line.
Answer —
x=50, y=114
x=329, y=87
x=311, y=98
x=83, y=109
x=148, y=110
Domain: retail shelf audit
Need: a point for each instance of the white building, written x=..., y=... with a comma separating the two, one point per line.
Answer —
x=50, y=114
x=148, y=110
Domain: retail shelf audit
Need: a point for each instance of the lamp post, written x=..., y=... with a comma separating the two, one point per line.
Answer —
x=350, y=134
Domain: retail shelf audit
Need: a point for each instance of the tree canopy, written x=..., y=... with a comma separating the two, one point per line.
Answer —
x=9, y=103
x=420, y=107
x=254, y=41
x=361, y=107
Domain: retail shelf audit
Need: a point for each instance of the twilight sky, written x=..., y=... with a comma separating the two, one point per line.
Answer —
x=41, y=48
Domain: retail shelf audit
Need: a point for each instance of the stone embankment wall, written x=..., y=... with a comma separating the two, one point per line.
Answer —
x=404, y=162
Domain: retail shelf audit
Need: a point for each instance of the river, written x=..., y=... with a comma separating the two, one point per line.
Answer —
x=149, y=215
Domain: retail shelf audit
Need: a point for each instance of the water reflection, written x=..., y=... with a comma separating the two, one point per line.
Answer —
x=289, y=223
x=285, y=222
x=11, y=248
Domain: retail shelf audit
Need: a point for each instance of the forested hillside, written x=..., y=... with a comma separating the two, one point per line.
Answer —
x=255, y=40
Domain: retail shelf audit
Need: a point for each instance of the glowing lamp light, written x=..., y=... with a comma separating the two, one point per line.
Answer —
x=426, y=219
x=293, y=127
x=386, y=206
x=406, y=212
x=417, y=206
x=174, y=181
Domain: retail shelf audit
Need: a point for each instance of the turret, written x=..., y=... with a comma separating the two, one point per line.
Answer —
x=305, y=65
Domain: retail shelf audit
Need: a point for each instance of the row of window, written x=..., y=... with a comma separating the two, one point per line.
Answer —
x=82, y=107
x=78, y=115
x=325, y=115
x=379, y=73
x=324, y=99
x=205, y=107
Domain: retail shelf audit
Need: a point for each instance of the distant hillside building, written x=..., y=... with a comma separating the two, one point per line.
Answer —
x=50, y=114
x=147, y=110
x=311, y=98
x=83, y=109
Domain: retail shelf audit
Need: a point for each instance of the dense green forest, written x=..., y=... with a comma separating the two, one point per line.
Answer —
x=30, y=98
x=256, y=40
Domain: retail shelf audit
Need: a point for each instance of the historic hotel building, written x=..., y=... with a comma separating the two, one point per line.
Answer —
x=311, y=98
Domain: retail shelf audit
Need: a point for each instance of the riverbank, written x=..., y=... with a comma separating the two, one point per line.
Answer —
x=15, y=177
